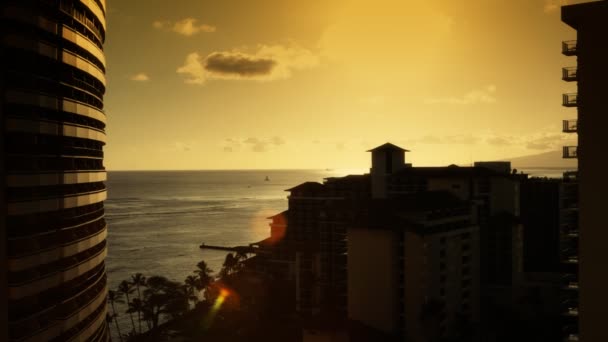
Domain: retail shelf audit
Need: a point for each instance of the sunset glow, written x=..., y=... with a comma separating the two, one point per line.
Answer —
x=313, y=84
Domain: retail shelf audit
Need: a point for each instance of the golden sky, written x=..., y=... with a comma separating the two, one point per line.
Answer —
x=242, y=84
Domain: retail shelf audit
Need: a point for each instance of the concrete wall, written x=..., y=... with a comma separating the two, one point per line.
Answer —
x=416, y=291
x=371, y=278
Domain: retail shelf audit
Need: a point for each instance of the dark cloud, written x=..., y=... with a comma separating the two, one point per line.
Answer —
x=239, y=64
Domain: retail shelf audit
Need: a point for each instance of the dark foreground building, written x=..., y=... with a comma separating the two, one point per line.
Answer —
x=52, y=227
x=587, y=250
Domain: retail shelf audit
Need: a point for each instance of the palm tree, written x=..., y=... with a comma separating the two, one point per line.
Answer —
x=229, y=266
x=109, y=321
x=136, y=305
x=126, y=288
x=138, y=280
x=163, y=297
x=204, y=274
x=114, y=297
x=190, y=288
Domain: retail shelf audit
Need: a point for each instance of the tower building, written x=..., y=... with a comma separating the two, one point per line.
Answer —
x=52, y=226
x=587, y=234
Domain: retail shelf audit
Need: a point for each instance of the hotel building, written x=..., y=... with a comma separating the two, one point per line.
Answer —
x=52, y=227
x=380, y=249
x=585, y=235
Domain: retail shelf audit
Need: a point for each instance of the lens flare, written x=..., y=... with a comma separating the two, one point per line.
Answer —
x=221, y=298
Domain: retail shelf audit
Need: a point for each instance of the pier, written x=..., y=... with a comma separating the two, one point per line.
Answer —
x=237, y=249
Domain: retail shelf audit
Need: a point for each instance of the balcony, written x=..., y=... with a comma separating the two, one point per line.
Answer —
x=573, y=233
x=570, y=126
x=571, y=338
x=570, y=282
x=570, y=99
x=569, y=74
x=569, y=47
x=570, y=307
x=570, y=176
x=570, y=152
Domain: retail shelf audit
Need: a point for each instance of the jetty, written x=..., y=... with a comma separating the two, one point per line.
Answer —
x=237, y=249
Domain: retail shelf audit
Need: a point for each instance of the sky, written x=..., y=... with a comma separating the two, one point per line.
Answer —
x=282, y=84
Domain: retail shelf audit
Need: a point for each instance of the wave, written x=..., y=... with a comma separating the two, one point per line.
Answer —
x=206, y=211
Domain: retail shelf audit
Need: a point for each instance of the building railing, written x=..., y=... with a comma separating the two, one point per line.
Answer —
x=569, y=74
x=570, y=126
x=570, y=307
x=569, y=47
x=570, y=152
x=570, y=100
x=570, y=282
x=571, y=338
x=570, y=176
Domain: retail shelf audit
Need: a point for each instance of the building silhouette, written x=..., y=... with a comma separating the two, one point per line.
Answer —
x=587, y=248
x=381, y=250
x=53, y=232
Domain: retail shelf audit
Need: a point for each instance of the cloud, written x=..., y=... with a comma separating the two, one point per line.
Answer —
x=140, y=77
x=186, y=27
x=553, y=5
x=543, y=140
x=499, y=141
x=266, y=63
x=252, y=144
x=461, y=139
x=485, y=95
x=238, y=65
x=546, y=140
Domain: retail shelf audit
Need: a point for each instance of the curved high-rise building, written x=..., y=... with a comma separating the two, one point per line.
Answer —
x=52, y=227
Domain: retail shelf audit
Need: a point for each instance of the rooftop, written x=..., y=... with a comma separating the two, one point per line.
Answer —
x=452, y=170
x=388, y=147
x=307, y=186
x=588, y=13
